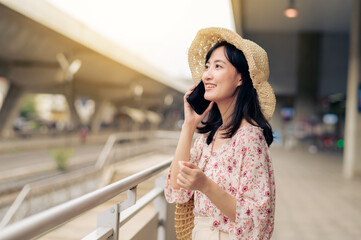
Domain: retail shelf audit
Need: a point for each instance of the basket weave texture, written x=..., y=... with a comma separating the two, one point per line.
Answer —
x=184, y=220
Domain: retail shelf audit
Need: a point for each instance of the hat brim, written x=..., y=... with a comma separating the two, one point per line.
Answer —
x=256, y=57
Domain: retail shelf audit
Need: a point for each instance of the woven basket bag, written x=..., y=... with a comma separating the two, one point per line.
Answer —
x=184, y=220
x=184, y=217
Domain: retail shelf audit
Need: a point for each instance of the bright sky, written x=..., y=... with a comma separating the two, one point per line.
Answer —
x=159, y=31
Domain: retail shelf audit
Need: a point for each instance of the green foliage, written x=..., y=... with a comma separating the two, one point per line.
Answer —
x=61, y=156
x=27, y=108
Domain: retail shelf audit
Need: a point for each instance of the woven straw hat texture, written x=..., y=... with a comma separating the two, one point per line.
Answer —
x=256, y=56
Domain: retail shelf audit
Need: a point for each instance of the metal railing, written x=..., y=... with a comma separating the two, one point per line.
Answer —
x=109, y=221
x=91, y=172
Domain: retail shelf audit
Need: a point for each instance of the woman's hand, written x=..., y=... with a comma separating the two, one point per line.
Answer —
x=191, y=177
x=191, y=118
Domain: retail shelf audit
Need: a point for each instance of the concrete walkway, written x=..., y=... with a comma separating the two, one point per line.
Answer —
x=313, y=200
x=18, y=145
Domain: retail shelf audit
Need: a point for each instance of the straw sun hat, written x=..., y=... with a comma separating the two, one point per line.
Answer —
x=255, y=55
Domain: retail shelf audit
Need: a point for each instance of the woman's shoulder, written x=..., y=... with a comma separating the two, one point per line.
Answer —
x=249, y=133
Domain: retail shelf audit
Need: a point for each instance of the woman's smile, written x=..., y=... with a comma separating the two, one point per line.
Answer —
x=209, y=86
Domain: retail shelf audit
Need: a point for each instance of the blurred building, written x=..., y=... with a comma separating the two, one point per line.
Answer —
x=314, y=56
x=314, y=60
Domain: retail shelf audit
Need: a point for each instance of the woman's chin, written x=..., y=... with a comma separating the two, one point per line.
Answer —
x=208, y=97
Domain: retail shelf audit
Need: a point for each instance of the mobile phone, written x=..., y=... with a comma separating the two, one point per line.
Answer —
x=196, y=99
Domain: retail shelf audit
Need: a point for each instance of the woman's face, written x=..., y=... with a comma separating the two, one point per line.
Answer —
x=220, y=78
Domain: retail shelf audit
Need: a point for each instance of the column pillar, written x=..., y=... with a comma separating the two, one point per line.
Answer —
x=307, y=74
x=308, y=67
x=95, y=119
x=70, y=98
x=10, y=109
x=352, y=151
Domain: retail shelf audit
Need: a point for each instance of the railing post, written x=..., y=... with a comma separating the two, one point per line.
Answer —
x=131, y=199
x=110, y=219
x=166, y=213
x=10, y=214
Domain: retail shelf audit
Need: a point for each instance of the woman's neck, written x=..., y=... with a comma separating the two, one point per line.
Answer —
x=226, y=109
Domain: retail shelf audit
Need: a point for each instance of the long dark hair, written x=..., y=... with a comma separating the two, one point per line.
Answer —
x=247, y=105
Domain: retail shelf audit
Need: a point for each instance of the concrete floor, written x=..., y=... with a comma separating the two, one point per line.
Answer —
x=313, y=200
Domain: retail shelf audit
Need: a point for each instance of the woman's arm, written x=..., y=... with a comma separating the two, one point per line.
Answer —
x=182, y=153
x=223, y=200
x=192, y=178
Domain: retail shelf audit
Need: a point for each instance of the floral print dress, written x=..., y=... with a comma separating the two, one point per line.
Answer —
x=242, y=167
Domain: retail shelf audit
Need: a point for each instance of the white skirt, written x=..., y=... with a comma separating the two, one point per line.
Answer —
x=203, y=229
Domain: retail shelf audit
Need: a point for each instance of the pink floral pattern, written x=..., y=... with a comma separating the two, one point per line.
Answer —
x=243, y=168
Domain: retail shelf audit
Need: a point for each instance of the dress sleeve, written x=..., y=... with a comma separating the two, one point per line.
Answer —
x=182, y=195
x=255, y=196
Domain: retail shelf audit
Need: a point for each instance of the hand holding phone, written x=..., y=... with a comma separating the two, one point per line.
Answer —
x=196, y=99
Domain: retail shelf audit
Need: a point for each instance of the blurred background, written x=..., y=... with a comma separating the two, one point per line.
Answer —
x=72, y=73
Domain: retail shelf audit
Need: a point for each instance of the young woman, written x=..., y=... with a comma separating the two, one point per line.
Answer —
x=228, y=169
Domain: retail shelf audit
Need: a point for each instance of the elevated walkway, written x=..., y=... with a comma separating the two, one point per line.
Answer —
x=54, y=187
x=313, y=199
x=83, y=225
x=39, y=142
x=23, y=161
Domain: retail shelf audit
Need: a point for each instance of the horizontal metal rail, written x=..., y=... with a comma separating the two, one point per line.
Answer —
x=163, y=137
x=126, y=215
x=45, y=221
